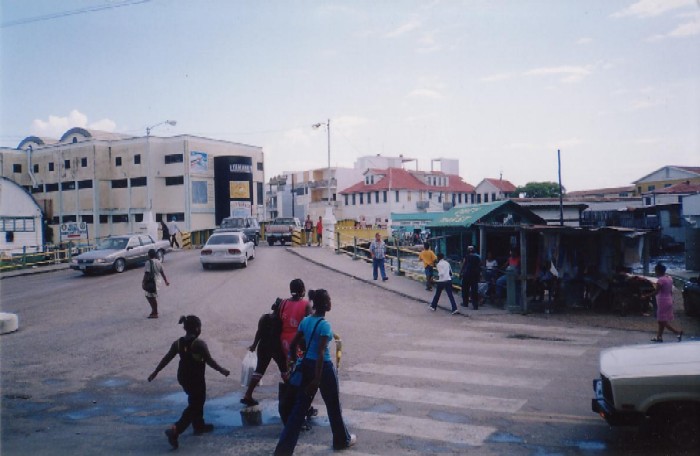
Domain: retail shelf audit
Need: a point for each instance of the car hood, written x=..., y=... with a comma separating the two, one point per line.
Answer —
x=94, y=254
x=651, y=360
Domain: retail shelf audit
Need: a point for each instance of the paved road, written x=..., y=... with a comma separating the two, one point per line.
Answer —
x=412, y=381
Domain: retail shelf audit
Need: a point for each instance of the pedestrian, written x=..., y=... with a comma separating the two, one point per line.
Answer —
x=444, y=282
x=470, y=273
x=151, y=271
x=269, y=346
x=491, y=269
x=428, y=258
x=308, y=230
x=513, y=265
x=194, y=354
x=663, y=289
x=319, y=231
x=173, y=229
x=165, y=230
x=318, y=373
x=377, y=250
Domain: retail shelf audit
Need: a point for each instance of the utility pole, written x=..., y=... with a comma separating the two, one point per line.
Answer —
x=561, y=197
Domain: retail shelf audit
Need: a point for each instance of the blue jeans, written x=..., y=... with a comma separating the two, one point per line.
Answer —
x=378, y=263
x=330, y=394
x=447, y=286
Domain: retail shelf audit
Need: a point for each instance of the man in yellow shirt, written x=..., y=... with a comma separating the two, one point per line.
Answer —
x=428, y=258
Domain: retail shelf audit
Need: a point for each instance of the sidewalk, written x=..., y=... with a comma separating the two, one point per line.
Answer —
x=33, y=270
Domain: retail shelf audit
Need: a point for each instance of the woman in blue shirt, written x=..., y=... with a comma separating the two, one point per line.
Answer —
x=318, y=373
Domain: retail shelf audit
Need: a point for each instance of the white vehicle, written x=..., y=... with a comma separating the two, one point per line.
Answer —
x=658, y=382
x=227, y=247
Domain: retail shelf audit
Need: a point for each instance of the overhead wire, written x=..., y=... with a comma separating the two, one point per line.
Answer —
x=60, y=14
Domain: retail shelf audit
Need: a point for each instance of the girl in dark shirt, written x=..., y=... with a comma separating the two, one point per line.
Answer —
x=190, y=375
x=267, y=340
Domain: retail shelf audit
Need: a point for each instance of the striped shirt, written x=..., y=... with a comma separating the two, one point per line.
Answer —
x=378, y=249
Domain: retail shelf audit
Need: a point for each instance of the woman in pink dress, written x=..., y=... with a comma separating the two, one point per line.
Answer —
x=292, y=311
x=664, y=304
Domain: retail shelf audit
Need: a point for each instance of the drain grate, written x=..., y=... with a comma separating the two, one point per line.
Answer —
x=529, y=337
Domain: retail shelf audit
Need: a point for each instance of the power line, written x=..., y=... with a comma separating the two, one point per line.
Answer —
x=87, y=9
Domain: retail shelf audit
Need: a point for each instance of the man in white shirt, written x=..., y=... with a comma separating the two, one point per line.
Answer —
x=444, y=282
x=172, y=227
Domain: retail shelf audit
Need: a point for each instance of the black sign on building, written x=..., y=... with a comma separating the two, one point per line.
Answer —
x=233, y=187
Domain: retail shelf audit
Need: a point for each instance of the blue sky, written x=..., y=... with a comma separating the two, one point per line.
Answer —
x=499, y=85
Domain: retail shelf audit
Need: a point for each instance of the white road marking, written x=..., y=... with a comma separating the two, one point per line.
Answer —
x=432, y=397
x=471, y=360
x=516, y=346
x=467, y=377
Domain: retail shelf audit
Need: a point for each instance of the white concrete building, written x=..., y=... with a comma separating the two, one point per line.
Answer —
x=21, y=220
x=118, y=184
x=491, y=189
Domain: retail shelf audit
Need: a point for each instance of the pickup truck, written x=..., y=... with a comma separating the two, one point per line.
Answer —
x=118, y=252
x=281, y=229
x=657, y=383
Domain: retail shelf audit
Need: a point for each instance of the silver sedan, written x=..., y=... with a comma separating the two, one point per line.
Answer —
x=227, y=247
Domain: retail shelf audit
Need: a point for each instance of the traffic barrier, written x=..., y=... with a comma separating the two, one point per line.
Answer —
x=296, y=237
x=8, y=323
x=186, y=240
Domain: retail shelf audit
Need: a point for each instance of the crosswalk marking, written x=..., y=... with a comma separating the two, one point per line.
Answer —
x=467, y=377
x=471, y=360
x=422, y=428
x=528, y=348
x=499, y=326
x=432, y=397
x=571, y=339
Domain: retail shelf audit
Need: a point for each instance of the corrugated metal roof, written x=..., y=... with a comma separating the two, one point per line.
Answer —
x=467, y=216
x=418, y=216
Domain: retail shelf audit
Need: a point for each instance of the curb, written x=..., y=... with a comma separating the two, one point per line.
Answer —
x=27, y=272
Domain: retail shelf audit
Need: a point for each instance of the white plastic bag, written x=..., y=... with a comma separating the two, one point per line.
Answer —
x=250, y=361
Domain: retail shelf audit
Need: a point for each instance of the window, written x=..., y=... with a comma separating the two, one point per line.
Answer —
x=85, y=184
x=651, y=188
x=459, y=198
x=104, y=218
x=16, y=168
x=486, y=197
x=51, y=188
x=66, y=163
x=12, y=224
x=260, y=166
x=173, y=158
x=667, y=185
x=472, y=195
x=118, y=161
x=478, y=198
x=493, y=197
x=50, y=168
x=119, y=183
x=178, y=216
x=430, y=196
x=408, y=196
x=83, y=162
x=138, y=181
x=69, y=219
x=38, y=189
x=137, y=159
x=384, y=195
x=138, y=218
x=36, y=168
x=259, y=191
x=69, y=185
x=54, y=220
x=362, y=198
x=397, y=196
x=75, y=139
x=354, y=201
x=120, y=218
x=86, y=218
x=346, y=199
x=174, y=180
x=376, y=197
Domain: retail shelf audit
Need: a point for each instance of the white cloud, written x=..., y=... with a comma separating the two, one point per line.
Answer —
x=569, y=73
x=650, y=8
x=56, y=126
x=409, y=26
x=427, y=43
x=584, y=41
x=497, y=77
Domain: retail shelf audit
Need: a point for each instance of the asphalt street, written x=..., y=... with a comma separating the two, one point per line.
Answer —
x=411, y=381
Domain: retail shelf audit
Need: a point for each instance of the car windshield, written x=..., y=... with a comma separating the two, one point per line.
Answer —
x=112, y=244
x=232, y=223
x=284, y=221
x=223, y=239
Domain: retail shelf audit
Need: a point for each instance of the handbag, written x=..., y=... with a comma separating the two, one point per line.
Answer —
x=149, y=280
x=250, y=361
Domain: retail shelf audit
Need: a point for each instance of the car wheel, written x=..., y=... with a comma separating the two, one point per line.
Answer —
x=160, y=254
x=256, y=240
x=205, y=266
x=683, y=428
x=283, y=242
x=120, y=265
x=270, y=242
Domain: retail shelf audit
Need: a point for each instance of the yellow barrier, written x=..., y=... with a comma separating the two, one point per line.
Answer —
x=296, y=237
x=186, y=240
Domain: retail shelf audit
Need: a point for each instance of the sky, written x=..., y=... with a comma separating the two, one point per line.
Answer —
x=500, y=85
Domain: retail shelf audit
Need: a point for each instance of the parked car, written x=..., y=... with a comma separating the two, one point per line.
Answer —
x=659, y=383
x=227, y=246
x=248, y=225
x=691, y=297
x=118, y=252
x=281, y=229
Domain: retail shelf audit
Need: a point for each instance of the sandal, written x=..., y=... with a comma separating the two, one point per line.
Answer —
x=153, y=316
x=249, y=402
x=657, y=339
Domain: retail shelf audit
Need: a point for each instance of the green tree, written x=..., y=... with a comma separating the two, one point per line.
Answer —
x=540, y=190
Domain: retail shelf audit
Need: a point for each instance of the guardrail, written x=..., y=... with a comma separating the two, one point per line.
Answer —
x=34, y=256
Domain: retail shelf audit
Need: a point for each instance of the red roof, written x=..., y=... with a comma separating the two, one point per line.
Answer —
x=692, y=169
x=400, y=179
x=503, y=185
x=601, y=191
x=683, y=187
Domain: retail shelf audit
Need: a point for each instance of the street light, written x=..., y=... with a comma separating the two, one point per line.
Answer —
x=172, y=123
x=327, y=124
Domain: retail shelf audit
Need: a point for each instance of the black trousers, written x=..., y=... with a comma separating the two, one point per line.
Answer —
x=173, y=241
x=194, y=413
x=470, y=289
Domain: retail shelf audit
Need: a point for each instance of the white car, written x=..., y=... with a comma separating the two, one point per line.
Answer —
x=227, y=247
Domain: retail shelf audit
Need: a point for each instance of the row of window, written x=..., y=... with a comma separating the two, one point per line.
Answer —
x=457, y=198
x=50, y=167
x=104, y=218
x=115, y=183
x=12, y=224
